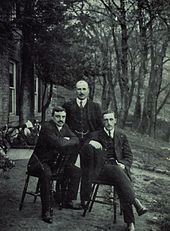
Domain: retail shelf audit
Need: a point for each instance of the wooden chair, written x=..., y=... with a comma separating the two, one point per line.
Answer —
x=58, y=173
x=102, y=199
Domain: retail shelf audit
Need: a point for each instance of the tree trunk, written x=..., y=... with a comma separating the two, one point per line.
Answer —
x=142, y=69
x=46, y=104
x=124, y=64
x=27, y=80
x=105, y=102
x=148, y=124
x=112, y=80
x=92, y=87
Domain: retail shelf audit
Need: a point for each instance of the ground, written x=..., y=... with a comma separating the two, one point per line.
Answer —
x=151, y=182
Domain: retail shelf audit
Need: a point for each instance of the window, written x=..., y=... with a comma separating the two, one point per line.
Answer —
x=12, y=88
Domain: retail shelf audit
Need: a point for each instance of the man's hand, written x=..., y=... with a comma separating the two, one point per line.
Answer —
x=67, y=138
x=96, y=144
x=120, y=164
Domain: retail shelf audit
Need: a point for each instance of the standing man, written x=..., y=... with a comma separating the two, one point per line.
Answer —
x=55, y=137
x=83, y=115
x=108, y=156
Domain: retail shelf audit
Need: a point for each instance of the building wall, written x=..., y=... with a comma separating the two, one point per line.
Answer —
x=13, y=55
x=4, y=89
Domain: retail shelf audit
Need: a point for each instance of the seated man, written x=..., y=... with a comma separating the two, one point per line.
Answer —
x=55, y=137
x=108, y=156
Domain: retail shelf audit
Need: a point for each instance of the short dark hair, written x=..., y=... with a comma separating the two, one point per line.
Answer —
x=58, y=109
x=108, y=111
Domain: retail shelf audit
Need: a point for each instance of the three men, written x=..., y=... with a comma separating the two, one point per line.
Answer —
x=55, y=137
x=104, y=153
x=108, y=156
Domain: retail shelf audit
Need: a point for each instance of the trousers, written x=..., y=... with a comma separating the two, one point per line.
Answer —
x=45, y=177
x=94, y=167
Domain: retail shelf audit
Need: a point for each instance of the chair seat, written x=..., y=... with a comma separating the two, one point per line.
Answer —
x=32, y=174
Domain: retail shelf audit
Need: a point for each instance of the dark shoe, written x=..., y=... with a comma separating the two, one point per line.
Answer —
x=71, y=205
x=139, y=207
x=46, y=217
x=84, y=205
x=130, y=227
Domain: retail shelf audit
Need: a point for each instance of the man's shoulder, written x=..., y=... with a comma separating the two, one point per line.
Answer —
x=47, y=124
x=93, y=103
x=97, y=132
x=94, y=107
x=66, y=127
x=120, y=133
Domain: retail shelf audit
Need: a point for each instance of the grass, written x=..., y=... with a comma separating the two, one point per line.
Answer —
x=156, y=154
x=148, y=151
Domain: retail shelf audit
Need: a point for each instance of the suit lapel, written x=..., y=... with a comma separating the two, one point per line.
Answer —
x=63, y=131
x=73, y=105
x=117, y=144
x=102, y=137
x=90, y=118
x=57, y=132
x=115, y=139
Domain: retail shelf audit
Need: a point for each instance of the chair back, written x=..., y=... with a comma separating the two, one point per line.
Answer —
x=58, y=166
x=102, y=181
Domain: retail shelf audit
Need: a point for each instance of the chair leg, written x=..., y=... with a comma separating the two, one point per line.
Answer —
x=87, y=205
x=24, y=192
x=114, y=207
x=93, y=196
x=51, y=197
x=37, y=190
x=62, y=190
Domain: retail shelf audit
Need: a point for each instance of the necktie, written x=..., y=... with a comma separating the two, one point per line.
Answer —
x=81, y=104
x=110, y=134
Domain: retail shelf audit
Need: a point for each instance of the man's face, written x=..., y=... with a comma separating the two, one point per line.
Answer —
x=109, y=121
x=82, y=90
x=59, y=118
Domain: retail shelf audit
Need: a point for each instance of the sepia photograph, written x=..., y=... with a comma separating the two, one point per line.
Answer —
x=84, y=115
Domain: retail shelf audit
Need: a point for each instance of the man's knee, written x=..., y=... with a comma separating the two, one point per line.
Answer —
x=87, y=151
x=73, y=171
x=46, y=172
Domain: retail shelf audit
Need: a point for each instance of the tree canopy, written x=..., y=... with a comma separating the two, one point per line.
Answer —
x=121, y=47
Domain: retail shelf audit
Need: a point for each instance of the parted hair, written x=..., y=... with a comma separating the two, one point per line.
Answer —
x=57, y=109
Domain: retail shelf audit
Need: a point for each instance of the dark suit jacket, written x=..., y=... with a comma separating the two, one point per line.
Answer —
x=93, y=112
x=51, y=142
x=121, y=145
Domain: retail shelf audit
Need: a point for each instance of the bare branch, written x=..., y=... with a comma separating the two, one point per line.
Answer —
x=118, y=8
x=167, y=60
x=163, y=103
x=164, y=88
x=106, y=6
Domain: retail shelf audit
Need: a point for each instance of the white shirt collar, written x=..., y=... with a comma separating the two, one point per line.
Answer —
x=59, y=128
x=111, y=132
x=84, y=101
